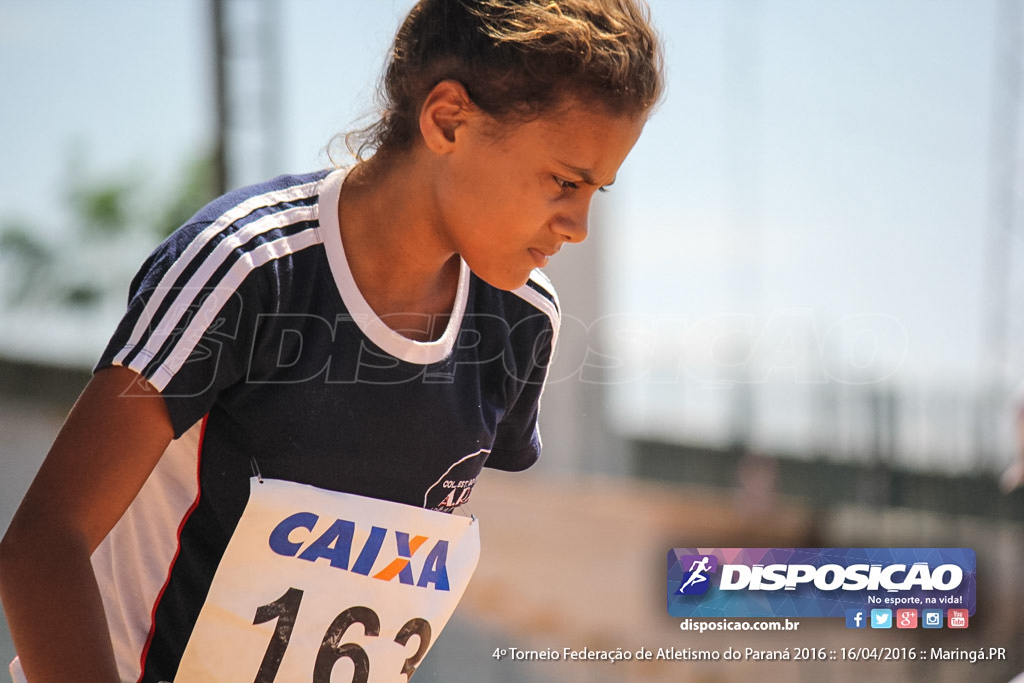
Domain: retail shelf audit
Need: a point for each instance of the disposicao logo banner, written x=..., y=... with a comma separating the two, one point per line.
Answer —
x=817, y=582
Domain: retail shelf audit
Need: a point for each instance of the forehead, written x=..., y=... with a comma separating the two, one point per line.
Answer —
x=577, y=136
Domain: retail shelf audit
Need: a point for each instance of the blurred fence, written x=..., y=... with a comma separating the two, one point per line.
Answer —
x=924, y=425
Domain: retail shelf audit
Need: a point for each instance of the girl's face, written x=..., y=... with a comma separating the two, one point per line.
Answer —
x=510, y=195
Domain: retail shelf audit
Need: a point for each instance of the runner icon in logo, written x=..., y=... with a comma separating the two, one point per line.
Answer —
x=696, y=582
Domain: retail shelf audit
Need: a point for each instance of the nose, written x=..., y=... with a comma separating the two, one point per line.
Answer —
x=573, y=225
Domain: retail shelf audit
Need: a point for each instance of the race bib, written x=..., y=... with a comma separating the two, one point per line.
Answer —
x=323, y=586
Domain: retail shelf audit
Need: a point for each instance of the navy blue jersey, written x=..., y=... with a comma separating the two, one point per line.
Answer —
x=248, y=322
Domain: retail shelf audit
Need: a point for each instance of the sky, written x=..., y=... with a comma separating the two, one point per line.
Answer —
x=817, y=179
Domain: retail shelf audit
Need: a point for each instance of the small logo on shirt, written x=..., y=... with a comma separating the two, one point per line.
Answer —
x=456, y=484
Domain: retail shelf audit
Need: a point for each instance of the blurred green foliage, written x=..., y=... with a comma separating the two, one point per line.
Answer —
x=112, y=223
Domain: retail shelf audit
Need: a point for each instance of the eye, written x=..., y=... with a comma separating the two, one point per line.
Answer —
x=564, y=184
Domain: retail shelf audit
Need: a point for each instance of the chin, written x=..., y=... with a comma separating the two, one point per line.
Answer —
x=506, y=281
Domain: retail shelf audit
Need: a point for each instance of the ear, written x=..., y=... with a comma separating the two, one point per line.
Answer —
x=446, y=107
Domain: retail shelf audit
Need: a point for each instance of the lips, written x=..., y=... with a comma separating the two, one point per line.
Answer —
x=540, y=257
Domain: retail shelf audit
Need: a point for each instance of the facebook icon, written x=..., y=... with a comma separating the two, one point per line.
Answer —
x=856, y=618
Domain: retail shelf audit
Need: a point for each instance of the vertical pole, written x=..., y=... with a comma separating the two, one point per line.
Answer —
x=220, y=94
x=1003, y=219
x=270, y=76
x=743, y=168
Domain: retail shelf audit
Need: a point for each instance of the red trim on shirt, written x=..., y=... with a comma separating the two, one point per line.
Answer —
x=170, y=568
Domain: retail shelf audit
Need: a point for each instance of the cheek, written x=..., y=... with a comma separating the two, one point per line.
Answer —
x=489, y=194
x=478, y=190
x=503, y=201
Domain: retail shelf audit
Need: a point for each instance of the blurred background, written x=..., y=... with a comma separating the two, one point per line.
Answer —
x=797, y=322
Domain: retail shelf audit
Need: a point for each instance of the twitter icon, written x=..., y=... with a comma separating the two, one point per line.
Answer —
x=881, y=618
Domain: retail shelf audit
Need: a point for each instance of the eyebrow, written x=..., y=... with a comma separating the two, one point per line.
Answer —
x=585, y=175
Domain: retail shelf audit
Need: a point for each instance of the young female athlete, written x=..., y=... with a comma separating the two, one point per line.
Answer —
x=312, y=371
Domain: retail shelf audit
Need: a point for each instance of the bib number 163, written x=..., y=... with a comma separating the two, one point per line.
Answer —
x=285, y=610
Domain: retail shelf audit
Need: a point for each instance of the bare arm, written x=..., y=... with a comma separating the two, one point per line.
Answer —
x=105, y=451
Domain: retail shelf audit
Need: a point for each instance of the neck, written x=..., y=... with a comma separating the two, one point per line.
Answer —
x=401, y=266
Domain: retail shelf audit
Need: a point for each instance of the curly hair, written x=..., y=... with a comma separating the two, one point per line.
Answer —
x=516, y=59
